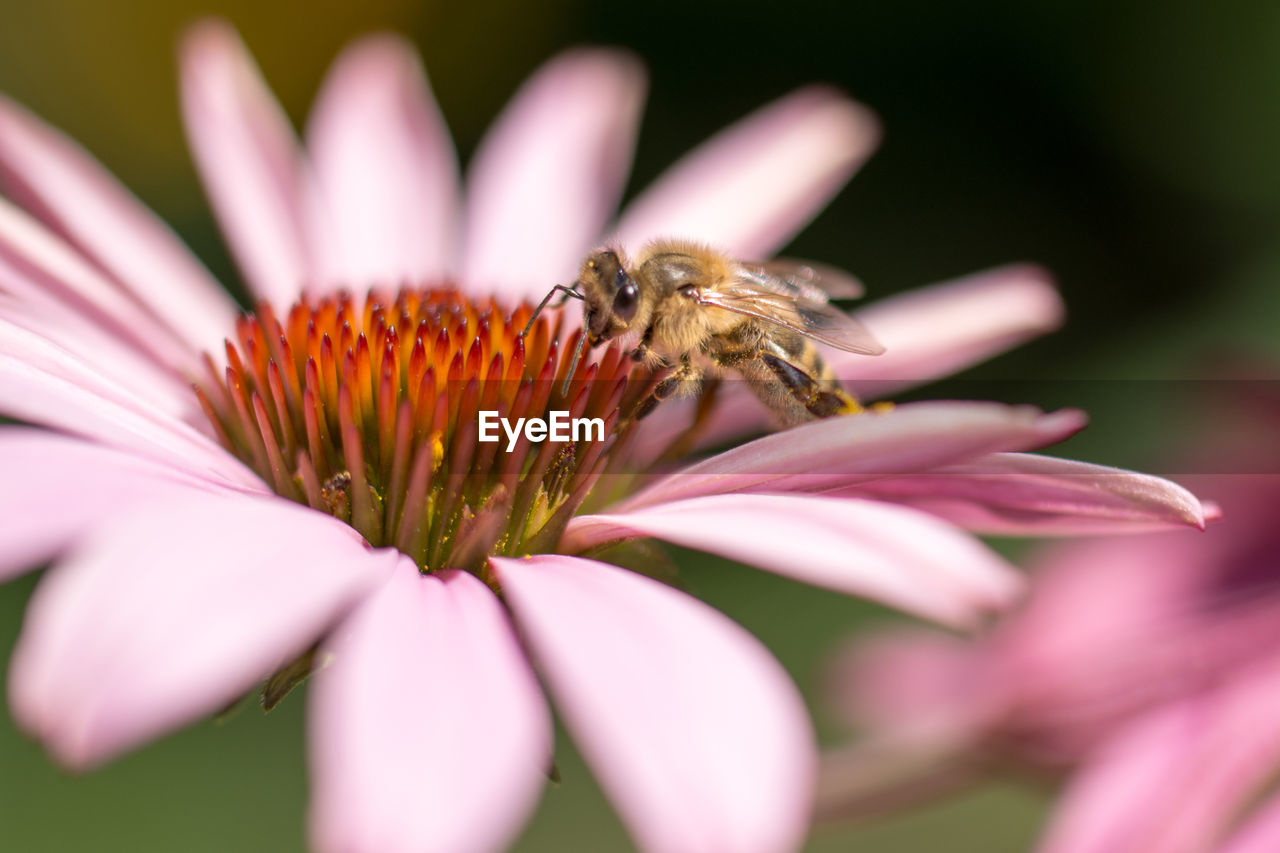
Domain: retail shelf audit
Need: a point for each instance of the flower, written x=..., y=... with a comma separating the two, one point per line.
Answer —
x=321, y=497
x=1143, y=670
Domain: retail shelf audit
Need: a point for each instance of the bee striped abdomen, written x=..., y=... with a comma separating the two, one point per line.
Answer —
x=785, y=371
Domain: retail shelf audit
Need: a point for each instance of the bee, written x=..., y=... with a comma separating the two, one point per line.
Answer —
x=704, y=314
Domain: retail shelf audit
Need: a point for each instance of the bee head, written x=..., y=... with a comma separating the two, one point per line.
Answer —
x=610, y=294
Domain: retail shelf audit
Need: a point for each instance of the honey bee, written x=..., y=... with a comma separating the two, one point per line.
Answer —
x=704, y=314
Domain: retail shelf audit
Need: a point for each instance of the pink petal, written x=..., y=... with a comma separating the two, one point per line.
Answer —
x=840, y=452
x=56, y=488
x=386, y=165
x=157, y=383
x=923, y=707
x=251, y=165
x=40, y=270
x=1024, y=494
x=935, y=331
x=550, y=172
x=749, y=189
x=1261, y=832
x=891, y=554
x=1175, y=780
x=174, y=611
x=73, y=195
x=919, y=688
x=695, y=732
x=1102, y=801
x=428, y=730
x=1116, y=625
x=41, y=383
x=876, y=778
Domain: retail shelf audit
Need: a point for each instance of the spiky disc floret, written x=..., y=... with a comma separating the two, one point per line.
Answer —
x=368, y=409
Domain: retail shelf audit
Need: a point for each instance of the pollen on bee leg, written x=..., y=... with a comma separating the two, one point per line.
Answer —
x=851, y=406
x=366, y=409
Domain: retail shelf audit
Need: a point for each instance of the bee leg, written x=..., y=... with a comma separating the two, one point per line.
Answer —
x=734, y=358
x=686, y=440
x=820, y=402
x=644, y=349
x=685, y=375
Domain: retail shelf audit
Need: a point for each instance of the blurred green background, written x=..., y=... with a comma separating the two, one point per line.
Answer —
x=1130, y=147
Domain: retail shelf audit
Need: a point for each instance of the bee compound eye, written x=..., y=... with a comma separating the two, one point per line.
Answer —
x=626, y=300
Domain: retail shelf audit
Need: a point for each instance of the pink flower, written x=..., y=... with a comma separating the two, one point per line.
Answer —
x=1145, y=669
x=324, y=485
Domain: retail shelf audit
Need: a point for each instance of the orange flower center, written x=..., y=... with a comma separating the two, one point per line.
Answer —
x=382, y=411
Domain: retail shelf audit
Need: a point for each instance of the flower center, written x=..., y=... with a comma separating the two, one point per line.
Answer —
x=371, y=410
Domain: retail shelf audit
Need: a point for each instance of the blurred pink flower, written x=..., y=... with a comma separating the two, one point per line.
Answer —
x=1145, y=668
x=184, y=576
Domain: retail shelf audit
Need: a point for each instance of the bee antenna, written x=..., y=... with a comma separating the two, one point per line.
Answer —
x=559, y=288
x=573, y=365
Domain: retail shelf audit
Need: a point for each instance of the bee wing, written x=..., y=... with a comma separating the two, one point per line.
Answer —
x=821, y=321
x=803, y=279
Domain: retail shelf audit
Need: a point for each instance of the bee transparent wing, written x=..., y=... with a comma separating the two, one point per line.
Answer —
x=803, y=279
x=821, y=321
